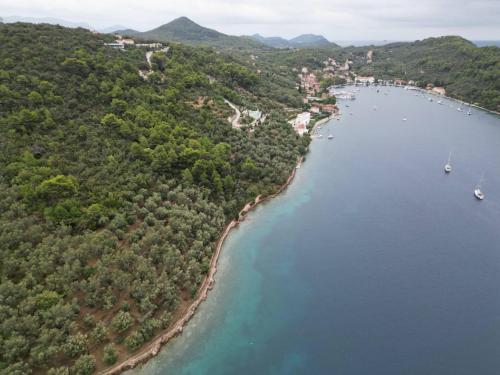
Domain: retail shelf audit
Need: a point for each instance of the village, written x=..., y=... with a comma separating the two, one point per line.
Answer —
x=322, y=94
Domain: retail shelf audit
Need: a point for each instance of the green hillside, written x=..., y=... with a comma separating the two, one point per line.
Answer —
x=114, y=189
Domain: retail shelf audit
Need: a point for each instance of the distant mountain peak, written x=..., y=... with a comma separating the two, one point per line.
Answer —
x=185, y=30
x=301, y=41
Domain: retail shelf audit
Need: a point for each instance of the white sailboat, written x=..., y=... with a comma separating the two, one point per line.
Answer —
x=447, y=167
x=477, y=192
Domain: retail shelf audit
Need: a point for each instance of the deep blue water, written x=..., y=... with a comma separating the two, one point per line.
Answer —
x=372, y=262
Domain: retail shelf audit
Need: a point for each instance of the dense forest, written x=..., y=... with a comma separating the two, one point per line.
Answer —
x=114, y=188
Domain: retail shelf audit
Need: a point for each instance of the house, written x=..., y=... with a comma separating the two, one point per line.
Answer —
x=364, y=80
x=329, y=108
x=115, y=45
x=149, y=45
x=300, y=129
x=126, y=41
x=399, y=82
x=439, y=90
x=315, y=109
x=301, y=121
x=256, y=115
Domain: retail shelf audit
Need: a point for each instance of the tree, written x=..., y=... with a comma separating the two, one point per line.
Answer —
x=122, y=321
x=110, y=354
x=75, y=345
x=58, y=187
x=85, y=365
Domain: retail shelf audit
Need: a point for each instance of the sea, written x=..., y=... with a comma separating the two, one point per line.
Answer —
x=374, y=261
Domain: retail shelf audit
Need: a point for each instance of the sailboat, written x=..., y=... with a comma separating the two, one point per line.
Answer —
x=447, y=167
x=477, y=192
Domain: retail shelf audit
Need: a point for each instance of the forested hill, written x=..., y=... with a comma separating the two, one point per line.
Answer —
x=114, y=189
x=186, y=31
x=467, y=72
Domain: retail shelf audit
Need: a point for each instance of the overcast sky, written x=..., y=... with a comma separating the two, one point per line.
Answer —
x=336, y=19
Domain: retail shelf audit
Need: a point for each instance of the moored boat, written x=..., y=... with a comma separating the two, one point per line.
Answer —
x=447, y=167
x=477, y=191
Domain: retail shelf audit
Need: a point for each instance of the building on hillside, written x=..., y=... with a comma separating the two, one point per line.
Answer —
x=310, y=83
x=256, y=115
x=329, y=108
x=315, y=109
x=115, y=45
x=300, y=123
x=439, y=90
x=126, y=41
x=300, y=129
x=399, y=82
x=149, y=45
x=364, y=80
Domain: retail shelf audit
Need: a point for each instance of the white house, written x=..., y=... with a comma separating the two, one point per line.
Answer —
x=361, y=79
x=301, y=121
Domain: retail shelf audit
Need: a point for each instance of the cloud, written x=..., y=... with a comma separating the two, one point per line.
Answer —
x=337, y=19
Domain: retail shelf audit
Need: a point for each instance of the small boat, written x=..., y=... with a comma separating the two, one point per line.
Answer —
x=404, y=119
x=330, y=136
x=477, y=191
x=440, y=102
x=459, y=109
x=469, y=112
x=320, y=136
x=430, y=99
x=447, y=167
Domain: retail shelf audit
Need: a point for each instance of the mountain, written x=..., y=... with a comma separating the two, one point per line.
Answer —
x=114, y=29
x=310, y=40
x=301, y=41
x=49, y=20
x=273, y=41
x=185, y=31
x=128, y=32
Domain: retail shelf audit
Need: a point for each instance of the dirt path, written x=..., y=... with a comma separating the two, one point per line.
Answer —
x=235, y=122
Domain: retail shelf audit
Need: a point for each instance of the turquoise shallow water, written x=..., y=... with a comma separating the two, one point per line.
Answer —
x=372, y=262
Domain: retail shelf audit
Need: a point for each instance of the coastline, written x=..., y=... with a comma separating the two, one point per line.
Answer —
x=154, y=347
x=428, y=92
